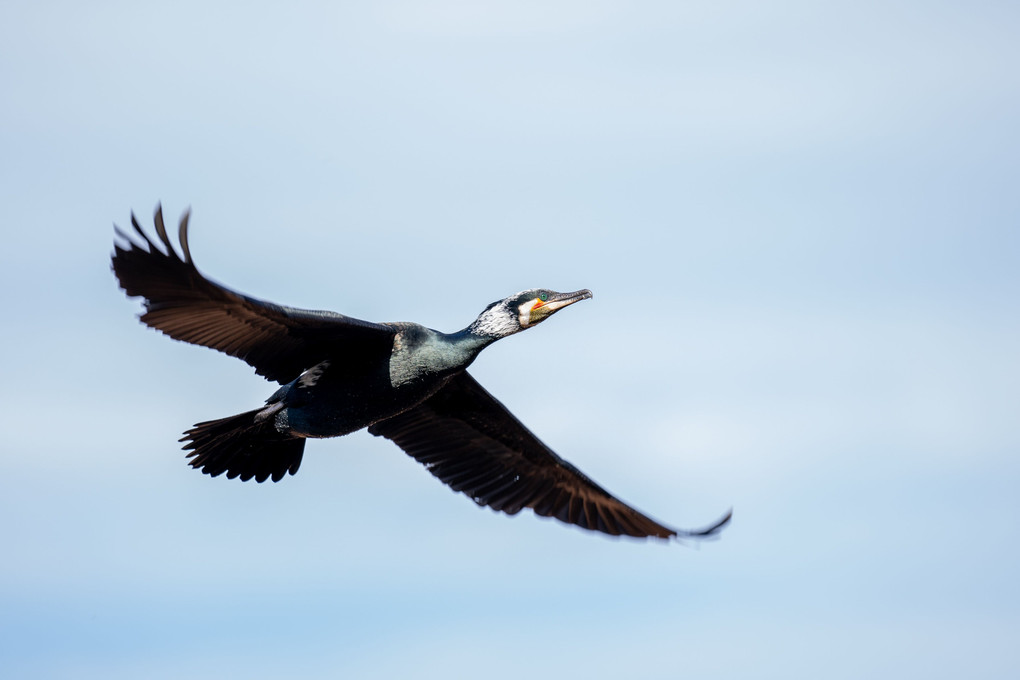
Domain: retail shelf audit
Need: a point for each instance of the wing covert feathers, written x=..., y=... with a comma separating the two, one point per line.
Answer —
x=279, y=342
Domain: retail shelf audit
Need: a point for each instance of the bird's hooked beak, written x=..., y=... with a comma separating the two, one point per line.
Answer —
x=539, y=310
x=558, y=301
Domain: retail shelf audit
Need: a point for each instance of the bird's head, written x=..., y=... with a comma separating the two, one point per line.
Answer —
x=523, y=310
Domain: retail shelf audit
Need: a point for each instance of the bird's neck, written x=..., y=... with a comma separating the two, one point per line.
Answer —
x=494, y=323
x=469, y=343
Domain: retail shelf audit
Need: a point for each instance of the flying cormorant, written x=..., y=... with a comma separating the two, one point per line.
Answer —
x=402, y=381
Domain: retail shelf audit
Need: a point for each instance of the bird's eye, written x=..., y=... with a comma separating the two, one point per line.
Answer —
x=543, y=296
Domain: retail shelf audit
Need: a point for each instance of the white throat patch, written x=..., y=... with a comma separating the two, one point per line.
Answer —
x=496, y=322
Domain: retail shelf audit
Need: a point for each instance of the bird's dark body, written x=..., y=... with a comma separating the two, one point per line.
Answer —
x=401, y=381
x=329, y=400
x=332, y=398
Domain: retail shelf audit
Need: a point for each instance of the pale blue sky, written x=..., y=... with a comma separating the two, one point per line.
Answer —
x=800, y=224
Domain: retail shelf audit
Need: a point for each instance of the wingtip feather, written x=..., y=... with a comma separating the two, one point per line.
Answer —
x=182, y=234
x=161, y=231
x=711, y=531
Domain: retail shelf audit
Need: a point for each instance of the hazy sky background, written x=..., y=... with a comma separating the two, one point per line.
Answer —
x=800, y=223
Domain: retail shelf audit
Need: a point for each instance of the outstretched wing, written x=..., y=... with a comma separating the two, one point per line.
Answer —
x=279, y=342
x=475, y=445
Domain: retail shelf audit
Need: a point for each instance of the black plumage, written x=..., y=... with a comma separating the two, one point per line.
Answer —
x=402, y=381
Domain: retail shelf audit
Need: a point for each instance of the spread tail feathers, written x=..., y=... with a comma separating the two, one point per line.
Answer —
x=243, y=447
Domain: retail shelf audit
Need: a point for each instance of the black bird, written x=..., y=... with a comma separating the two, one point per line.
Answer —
x=402, y=381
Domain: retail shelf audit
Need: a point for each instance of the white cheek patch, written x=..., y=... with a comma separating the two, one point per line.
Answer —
x=524, y=313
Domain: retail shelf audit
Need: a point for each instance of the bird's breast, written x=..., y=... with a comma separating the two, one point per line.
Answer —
x=419, y=356
x=337, y=397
